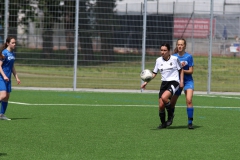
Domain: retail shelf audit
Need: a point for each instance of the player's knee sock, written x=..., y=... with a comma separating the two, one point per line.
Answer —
x=162, y=116
x=169, y=110
x=1, y=111
x=190, y=114
x=4, y=107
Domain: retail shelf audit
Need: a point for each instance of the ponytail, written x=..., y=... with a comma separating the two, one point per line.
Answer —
x=175, y=50
x=4, y=46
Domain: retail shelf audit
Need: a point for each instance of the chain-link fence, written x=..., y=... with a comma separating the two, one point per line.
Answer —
x=101, y=46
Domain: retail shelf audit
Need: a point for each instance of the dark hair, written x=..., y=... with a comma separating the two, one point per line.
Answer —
x=185, y=42
x=166, y=45
x=5, y=45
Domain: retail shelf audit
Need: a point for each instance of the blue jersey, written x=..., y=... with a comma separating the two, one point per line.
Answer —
x=188, y=60
x=8, y=63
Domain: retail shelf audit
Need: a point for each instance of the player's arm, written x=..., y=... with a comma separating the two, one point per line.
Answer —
x=190, y=64
x=15, y=75
x=2, y=73
x=189, y=71
x=145, y=83
x=181, y=74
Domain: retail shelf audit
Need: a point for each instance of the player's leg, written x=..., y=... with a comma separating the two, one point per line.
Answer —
x=3, y=89
x=4, y=105
x=162, y=114
x=163, y=102
x=171, y=110
x=175, y=98
x=190, y=109
x=161, y=107
x=4, y=96
x=173, y=88
x=174, y=101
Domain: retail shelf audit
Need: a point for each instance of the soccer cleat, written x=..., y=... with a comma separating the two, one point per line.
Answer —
x=3, y=117
x=170, y=121
x=161, y=126
x=190, y=126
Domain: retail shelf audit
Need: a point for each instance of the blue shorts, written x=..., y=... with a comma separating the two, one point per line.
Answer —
x=187, y=85
x=5, y=86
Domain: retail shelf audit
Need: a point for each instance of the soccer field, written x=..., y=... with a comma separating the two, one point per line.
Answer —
x=102, y=125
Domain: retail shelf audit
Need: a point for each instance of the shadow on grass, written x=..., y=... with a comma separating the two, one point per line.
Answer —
x=182, y=127
x=177, y=127
x=13, y=119
x=3, y=154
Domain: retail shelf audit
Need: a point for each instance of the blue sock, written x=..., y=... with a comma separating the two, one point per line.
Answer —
x=4, y=107
x=190, y=114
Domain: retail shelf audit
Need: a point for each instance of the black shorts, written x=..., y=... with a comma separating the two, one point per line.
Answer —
x=171, y=86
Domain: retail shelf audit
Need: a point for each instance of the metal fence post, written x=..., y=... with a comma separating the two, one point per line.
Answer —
x=193, y=27
x=144, y=36
x=210, y=50
x=76, y=46
x=6, y=20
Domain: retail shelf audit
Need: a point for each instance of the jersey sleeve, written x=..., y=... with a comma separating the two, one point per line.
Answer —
x=179, y=66
x=155, y=70
x=190, y=61
x=4, y=55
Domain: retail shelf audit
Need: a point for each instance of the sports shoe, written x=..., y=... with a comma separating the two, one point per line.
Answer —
x=170, y=121
x=190, y=126
x=161, y=126
x=3, y=117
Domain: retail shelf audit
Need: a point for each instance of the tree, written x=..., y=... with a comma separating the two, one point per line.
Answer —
x=69, y=26
x=14, y=8
x=51, y=11
x=84, y=32
x=105, y=20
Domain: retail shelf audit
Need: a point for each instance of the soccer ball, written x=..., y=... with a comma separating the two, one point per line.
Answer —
x=146, y=75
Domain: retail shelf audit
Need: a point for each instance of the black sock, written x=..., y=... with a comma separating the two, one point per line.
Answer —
x=169, y=110
x=162, y=116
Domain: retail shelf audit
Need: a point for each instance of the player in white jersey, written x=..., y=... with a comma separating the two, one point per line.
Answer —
x=186, y=60
x=7, y=68
x=172, y=78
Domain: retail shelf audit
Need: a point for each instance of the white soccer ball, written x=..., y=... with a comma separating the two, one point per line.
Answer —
x=146, y=75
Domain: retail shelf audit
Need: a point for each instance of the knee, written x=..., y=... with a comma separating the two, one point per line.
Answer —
x=161, y=106
x=3, y=96
x=189, y=102
x=165, y=99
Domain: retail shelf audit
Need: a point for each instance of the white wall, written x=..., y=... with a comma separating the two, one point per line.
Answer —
x=182, y=6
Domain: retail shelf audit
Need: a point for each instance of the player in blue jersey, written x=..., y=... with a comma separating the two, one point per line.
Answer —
x=186, y=60
x=171, y=77
x=7, y=58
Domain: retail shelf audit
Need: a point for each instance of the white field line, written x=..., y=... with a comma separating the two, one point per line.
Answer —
x=228, y=97
x=111, y=105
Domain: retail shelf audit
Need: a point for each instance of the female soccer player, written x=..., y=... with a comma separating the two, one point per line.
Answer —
x=7, y=58
x=170, y=69
x=187, y=63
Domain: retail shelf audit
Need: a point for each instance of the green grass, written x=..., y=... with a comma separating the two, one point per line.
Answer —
x=98, y=125
x=225, y=73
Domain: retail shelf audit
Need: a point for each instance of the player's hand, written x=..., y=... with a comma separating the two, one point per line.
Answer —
x=18, y=81
x=143, y=86
x=181, y=85
x=5, y=78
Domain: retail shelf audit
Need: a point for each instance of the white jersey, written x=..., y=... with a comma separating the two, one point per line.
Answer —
x=169, y=69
